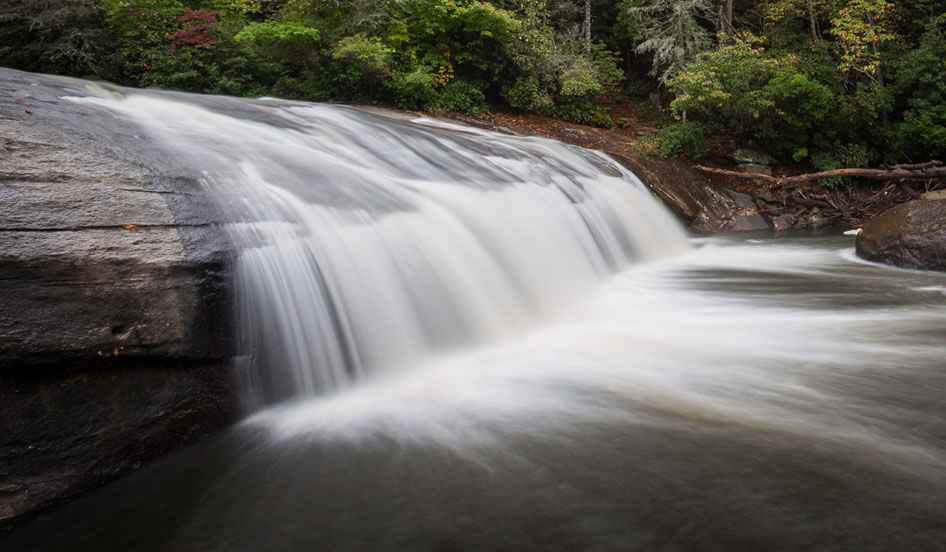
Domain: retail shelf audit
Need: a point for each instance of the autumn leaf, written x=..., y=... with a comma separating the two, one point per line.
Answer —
x=133, y=227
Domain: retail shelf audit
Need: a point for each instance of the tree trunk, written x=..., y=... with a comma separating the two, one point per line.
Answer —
x=588, y=27
x=729, y=27
x=812, y=20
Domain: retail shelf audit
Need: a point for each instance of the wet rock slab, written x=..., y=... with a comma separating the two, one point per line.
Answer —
x=703, y=207
x=113, y=299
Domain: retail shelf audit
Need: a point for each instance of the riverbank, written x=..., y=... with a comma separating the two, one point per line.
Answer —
x=710, y=203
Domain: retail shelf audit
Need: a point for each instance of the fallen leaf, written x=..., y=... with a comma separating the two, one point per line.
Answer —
x=29, y=112
x=134, y=227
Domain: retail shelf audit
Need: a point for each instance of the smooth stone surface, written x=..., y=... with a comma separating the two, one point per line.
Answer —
x=114, y=313
x=701, y=206
x=910, y=235
x=749, y=221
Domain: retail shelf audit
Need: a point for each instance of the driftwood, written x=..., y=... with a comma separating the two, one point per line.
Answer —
x=931, y=170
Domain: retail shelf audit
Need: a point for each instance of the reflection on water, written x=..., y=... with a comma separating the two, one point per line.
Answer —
x=765, y=395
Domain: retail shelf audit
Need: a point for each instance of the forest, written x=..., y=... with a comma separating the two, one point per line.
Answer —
x=827, y=83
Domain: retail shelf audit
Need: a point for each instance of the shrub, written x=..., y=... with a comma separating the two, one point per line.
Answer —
x=364, y=65
x=463, y=96
x=648, y=145
x=415, y=89
x=849, y=155
x=368, y=55
x=282, y=39
x=528, y=95
x=682, y=140
x=584, y=111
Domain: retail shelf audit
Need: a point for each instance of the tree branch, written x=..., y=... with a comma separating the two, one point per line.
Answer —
x=921, y=171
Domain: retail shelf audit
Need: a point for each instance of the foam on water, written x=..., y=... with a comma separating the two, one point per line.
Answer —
x=371, y=244
x=483, y=342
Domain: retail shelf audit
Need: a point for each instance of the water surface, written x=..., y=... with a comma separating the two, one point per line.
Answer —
x=772, y=394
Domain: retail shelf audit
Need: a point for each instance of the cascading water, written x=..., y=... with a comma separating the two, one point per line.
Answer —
x=368, y=243
x=516, y=349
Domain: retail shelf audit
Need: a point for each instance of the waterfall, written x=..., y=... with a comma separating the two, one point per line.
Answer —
x=469, y=341
x=369, y=243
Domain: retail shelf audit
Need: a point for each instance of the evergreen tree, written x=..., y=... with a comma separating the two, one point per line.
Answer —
x=54, y=36
x=671, y=32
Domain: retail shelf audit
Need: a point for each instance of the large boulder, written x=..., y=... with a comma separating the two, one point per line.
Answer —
x=910, y=235
x=114, y=328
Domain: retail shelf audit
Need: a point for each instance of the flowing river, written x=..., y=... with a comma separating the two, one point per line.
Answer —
x=452, y=340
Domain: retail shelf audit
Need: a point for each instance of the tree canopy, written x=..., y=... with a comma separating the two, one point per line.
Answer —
x=828, y=82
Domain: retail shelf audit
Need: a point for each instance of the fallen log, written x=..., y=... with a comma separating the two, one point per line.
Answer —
x=929, y=171
x=916, y=166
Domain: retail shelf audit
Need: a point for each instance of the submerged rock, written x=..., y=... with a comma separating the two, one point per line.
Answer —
x=114, y=320
x=910, y=235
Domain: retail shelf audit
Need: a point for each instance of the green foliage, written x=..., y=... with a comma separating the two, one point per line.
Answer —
x=144, y=52
x=583, y=112
x=606, y=64
x=637, y=90
x=528, y=94
x=765, y=98
x=848, y=155
x=366, y=54
x=54, y=36
x=579, y=79
x=812, y=76
x=682, y=140
x=921, y=89
x=462, y=96
x=670, y=31
x=860, y=26
x=468, y=37
x=802, y=116
x=365, y=65
x=277, y=38
x=414, y=90
x=557, y=77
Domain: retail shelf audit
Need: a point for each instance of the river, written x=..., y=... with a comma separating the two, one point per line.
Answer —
x=456, y=340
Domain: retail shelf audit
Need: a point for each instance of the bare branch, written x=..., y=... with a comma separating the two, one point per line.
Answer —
x=921, y=171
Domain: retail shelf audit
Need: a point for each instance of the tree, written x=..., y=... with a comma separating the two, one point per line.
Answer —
x=588, y=27
x=725, y=12
x=812, y=20
x=806, y=11
x=54, y=36
x=860, y=27
x=670, y=31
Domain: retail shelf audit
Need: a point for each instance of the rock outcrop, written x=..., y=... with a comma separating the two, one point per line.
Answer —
x=113, y=299
x=910, y=235
x=702, y=206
